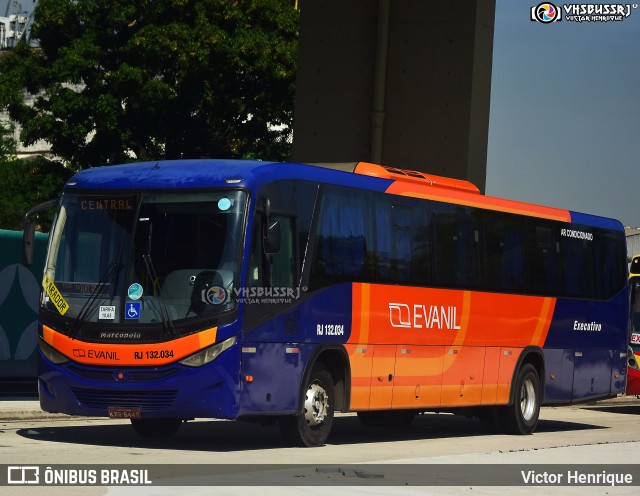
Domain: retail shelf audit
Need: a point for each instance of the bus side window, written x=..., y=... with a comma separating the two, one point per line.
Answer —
x=610, y=261
x=343, y=241
x=255, y=275
x=276, y=270
x=456, y=246
x=578, y=266
x=402, y=251
x=282, y=264
x=543, y=250
x=503, y=243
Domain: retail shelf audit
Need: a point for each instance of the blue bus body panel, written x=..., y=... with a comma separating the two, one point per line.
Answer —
x=595, y=221
x=193, y=174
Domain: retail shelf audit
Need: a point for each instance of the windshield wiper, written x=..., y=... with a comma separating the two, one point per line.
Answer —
x=164, y=309
x=108, y=279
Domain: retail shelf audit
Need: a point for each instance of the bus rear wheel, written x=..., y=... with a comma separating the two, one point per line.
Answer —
x=156, y=428
x=522, y=415
x=312, y=427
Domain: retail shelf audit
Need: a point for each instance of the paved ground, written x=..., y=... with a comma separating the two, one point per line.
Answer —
x=590, y=434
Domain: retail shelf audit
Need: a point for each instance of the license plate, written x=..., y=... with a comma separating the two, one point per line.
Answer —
x=117, y=412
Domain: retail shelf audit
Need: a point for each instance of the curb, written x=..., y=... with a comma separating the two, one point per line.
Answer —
x=16, y=410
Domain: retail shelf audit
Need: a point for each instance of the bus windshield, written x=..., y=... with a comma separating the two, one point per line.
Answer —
x=144, y=258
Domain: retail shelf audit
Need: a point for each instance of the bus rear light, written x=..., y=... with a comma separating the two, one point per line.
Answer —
x=209, y=354
x=51, y=354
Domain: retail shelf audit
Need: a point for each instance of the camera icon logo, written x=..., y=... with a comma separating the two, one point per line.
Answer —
x=546, y=13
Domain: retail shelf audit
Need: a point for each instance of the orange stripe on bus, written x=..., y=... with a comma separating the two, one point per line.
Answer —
x=130, y=353
x=427, y=346
x=470, y=200
x=544, y=322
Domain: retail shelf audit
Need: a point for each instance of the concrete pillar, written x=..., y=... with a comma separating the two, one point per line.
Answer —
x=404, y=83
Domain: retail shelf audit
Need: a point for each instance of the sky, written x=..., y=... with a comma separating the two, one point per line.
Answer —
x=564, y=125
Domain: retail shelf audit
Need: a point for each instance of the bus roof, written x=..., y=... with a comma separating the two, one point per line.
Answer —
x=250, y=174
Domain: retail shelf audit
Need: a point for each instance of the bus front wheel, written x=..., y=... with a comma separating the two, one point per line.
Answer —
x=522, y=414
x=312, y=426
x=156, y=428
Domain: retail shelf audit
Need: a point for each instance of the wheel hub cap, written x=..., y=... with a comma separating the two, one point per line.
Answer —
x=316, y=405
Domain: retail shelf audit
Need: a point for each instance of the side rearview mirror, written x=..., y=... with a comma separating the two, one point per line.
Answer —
x=29, y=231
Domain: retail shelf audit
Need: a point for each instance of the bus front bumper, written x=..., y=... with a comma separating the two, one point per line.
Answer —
x=171, y=391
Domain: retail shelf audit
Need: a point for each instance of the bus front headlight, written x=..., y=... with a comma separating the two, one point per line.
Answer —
x=51, y=354
x=208, y=354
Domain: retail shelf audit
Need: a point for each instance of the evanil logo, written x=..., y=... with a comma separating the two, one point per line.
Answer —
x=419, y=316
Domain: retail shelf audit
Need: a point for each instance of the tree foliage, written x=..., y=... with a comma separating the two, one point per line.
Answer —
x=25, y=183
x=146, y=79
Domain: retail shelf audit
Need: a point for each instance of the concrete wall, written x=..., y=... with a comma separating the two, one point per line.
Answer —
x=19, y=292
x=420, y=70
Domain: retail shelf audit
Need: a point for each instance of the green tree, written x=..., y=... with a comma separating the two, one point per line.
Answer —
x=146, y=79
x=25, y=183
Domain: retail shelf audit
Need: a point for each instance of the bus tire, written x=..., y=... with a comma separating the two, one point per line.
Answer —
x=387, y=418
x=312, y=427
x=156, y=428
x=522, y=414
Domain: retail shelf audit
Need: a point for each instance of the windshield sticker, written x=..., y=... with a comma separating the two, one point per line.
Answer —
x=225, y=204
x=133, y=310
x=135, y=291
x=107, y=312
x=54, y=295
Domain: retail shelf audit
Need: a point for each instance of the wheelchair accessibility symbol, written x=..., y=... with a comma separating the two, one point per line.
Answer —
x=132, y=311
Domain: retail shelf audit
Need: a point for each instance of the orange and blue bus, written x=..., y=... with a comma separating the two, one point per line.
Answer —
x=633, y=379
x=261, y=291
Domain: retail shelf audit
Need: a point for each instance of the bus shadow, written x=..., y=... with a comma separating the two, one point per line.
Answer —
x=632, y=409
x=226, y=436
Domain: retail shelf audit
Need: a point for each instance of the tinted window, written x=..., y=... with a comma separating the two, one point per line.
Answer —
x=577, y=261
x=611, y=265
x=503, y=248
x=543, y=250
x=455, y=245
x=341, y=248
x=367, y=236
x=403, y=246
